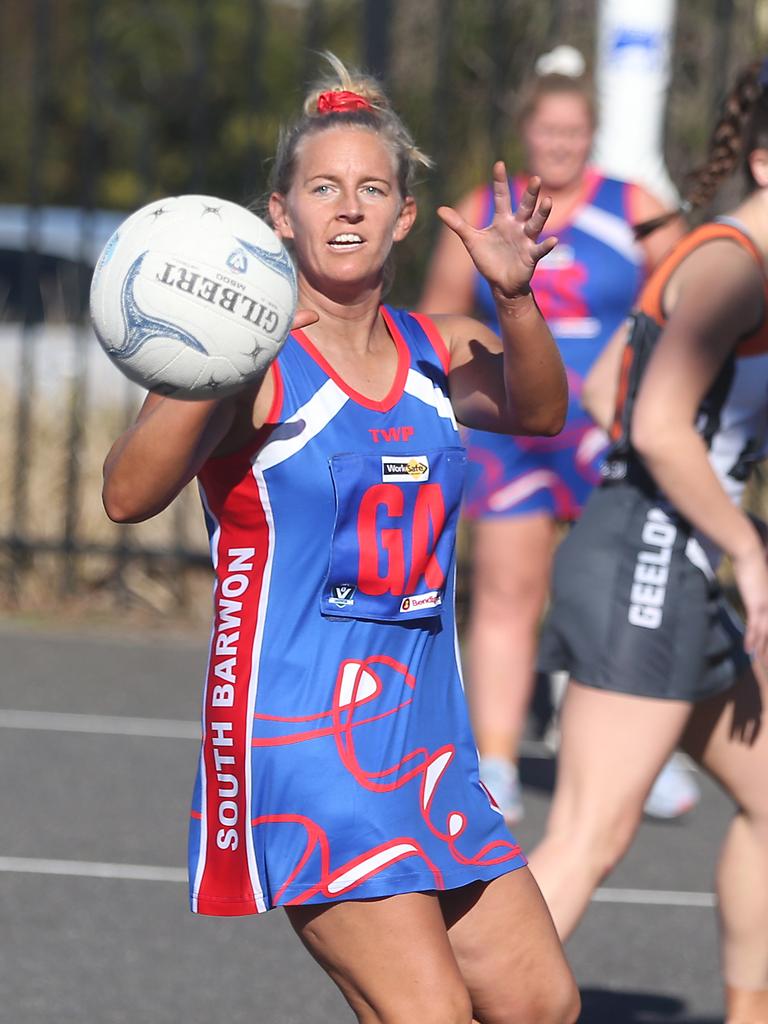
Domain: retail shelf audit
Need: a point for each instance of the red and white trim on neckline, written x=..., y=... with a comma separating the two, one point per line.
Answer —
x=435, y=339
x=395, y=392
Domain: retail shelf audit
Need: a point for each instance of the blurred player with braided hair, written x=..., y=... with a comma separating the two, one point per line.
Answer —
x=656, y=655
x=338, y=775
x=519, y=489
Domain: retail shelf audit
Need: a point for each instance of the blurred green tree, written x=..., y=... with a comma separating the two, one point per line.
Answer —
x=114, y=102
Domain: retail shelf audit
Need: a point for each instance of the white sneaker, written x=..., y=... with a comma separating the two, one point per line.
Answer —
x=500, y=778
x=674, y=793
x=558, y=681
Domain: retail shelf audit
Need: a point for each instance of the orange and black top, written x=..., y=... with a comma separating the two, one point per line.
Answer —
x=733, y=415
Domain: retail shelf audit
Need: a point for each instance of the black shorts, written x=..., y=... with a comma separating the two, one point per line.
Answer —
x=631, y=612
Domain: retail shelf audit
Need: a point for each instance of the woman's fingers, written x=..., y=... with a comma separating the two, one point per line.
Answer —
x=453, y=219
x=533, y=211
x=303, y=318
x=756, y=637
x=540, y=251
x=538, y=218
x=508, y=249
x=756, y=644
x=502, y=200
x=751, y=576
x=528, y=200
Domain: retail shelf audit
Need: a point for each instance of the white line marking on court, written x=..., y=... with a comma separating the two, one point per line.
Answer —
x=160, y=728
x=655, y=897
x=114, y=725
x=92, y=869
x=150, y=873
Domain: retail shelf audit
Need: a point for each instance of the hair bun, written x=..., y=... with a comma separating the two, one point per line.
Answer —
x=563, y=60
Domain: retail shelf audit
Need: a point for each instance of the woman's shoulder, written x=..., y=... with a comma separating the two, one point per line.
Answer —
x=640, y=202
x=704, y=243
x=425, y=334
x=714, y=268
x=447, y=330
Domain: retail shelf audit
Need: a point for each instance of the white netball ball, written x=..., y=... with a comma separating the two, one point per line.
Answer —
x=193, y=296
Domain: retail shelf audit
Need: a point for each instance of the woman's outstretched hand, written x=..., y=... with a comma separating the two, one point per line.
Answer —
x=751, y=574
x=507, y=251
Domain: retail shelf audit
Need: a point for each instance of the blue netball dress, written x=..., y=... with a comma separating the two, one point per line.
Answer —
x=585, y=287
x=337, y=759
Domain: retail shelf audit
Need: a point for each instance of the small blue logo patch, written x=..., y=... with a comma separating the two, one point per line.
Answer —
x=237, y=261
x=637, y=48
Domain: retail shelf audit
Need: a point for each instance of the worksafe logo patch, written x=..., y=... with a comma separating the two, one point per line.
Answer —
x=405, y=468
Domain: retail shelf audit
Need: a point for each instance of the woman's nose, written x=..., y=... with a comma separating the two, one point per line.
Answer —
x=350, y=207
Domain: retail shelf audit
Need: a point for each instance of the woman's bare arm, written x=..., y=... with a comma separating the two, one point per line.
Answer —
x=601, y=384
x=160, y=453
x=513, y=385
x=154, y=460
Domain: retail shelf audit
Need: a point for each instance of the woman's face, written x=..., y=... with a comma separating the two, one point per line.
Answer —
x=557, y=136
x=344, y=210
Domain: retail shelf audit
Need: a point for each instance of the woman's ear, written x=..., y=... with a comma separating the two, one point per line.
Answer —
x=758, y=166
x=279, y=215
x=405, y=219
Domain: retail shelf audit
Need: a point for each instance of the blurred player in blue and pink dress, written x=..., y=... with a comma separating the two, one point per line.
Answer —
x=519, y=489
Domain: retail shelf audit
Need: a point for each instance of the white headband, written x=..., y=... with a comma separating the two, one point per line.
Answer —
x=563, y=60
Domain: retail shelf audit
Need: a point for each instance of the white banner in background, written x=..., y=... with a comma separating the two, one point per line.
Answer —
x=632, y=76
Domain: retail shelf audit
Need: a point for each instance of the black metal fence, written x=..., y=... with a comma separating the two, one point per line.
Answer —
x=109, y=103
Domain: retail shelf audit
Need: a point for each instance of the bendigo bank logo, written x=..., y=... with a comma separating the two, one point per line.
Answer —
x=421, y=602
x=405, y=468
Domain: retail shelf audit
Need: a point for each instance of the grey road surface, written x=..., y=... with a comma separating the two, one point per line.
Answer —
x=97, y=758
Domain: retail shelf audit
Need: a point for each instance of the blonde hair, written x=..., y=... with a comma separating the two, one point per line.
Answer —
x=377, y=116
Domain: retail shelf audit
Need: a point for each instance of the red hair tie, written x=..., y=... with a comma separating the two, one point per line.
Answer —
x=339, y=101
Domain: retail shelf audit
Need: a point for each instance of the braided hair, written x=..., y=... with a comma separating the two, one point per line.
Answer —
x=742, y=128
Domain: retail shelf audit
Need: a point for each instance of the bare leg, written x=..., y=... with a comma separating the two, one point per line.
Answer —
x=501, y=932
x=511, y=564
x=403, y=959
x=728, y=737
x=391, y=958
x=611, y=748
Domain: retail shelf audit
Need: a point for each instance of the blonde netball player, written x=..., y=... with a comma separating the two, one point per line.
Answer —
x=338, y=776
